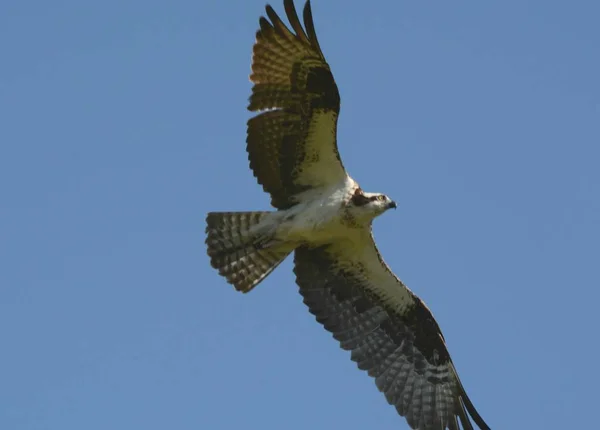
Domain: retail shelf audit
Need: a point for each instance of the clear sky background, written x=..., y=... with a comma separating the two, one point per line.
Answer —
x=123, y=123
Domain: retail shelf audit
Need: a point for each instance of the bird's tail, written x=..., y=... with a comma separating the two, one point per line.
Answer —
x=241, y=254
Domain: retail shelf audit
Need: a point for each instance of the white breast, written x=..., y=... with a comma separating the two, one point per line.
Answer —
x=317, y=218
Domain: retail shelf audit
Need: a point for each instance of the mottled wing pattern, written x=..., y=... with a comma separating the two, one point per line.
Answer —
x=390, y=331
x=292, y=144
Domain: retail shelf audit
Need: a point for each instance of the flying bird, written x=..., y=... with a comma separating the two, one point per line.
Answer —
x=324, y=218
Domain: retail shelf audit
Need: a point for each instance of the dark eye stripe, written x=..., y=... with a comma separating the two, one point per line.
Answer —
x=359, y=199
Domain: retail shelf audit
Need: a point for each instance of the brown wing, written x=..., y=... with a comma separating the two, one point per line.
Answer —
x=292, y=146
x=390, y=331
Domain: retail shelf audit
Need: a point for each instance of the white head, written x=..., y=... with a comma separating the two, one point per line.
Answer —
x=366, y=206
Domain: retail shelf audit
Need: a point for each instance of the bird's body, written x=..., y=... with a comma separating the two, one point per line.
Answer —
x=317, y=218
x=325, y=218
x=321, y=216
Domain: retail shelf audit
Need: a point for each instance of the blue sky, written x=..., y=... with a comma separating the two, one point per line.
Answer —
x=123, y=123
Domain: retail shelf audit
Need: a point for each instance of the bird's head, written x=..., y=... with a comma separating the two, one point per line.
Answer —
x=367, y=206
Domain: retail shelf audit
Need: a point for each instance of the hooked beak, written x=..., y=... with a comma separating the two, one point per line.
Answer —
x=391, y=205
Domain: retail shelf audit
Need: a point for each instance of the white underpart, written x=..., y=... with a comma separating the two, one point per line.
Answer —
x=316, y=219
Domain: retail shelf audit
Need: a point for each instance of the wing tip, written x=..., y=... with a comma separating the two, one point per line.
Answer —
x=310, y=28
x=475, y=416
x=467, y=408
x=305, y=34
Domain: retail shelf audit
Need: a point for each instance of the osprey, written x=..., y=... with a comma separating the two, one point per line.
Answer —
x=324, y=218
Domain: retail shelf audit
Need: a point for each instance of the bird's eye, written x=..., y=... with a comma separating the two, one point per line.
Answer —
x=381, y=198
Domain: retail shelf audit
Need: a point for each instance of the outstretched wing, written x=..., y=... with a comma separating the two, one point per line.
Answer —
x=390, y=331
x=292, y=145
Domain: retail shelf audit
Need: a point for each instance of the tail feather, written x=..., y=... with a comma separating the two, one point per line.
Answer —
x=242, y=256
